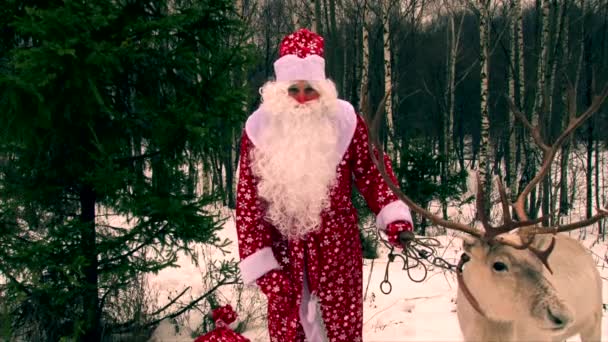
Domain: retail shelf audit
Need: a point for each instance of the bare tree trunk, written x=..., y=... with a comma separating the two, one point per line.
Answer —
x=558, y=52
x=515, y=66
x=230, y=155
x=539, y=100
x=316, y=21
x=453, y=48
x=453, y=41
x=603, y=167
x=484, y=51
x=590, y=82
x=295, y=18
x=565, y=153
x=520, y=42
x=327, y=25
x=364, y=90
x=597, y=179
x=521, y=85
x=92, y=317
x=229, y=177
x=337, y=50
x=566, y=204
x=600, y=165
x=589, y=172
x=388, y=83
x=552, y=66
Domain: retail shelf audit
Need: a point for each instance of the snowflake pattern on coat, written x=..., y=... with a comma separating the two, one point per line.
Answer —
x=332, y=256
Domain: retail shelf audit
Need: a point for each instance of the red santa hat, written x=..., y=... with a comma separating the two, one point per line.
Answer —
x=301, y=57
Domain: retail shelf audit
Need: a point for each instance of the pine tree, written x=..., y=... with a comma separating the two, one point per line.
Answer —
x=104, y=105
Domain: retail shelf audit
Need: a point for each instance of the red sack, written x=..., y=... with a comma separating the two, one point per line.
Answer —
x=222, y=317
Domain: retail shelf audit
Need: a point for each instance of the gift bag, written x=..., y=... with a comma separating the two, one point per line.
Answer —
x=222, y=317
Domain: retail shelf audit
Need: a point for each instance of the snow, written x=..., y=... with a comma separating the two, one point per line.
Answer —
x=412, y=311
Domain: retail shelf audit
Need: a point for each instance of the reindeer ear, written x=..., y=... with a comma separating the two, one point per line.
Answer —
x=468, y=242
x=542, y=241
x=510, y=239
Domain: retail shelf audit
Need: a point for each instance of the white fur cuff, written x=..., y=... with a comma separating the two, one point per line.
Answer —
x=257, y=264
x=394, y=211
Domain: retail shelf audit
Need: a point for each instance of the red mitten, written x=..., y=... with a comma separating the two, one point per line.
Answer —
x=394, y=229
x=222, y=317
x=275, y=282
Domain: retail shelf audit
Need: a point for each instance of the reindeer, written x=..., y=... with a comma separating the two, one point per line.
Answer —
x=530, y=285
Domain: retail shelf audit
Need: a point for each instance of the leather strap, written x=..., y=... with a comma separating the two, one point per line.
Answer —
x=463, y=287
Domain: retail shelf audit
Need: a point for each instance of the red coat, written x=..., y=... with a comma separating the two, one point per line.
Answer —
x=330, y=305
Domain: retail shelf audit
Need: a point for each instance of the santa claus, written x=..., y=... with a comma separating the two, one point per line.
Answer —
x=297, y=228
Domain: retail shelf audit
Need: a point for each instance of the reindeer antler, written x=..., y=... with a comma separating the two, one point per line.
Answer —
x=373, y=141
x=527, y=227
x=549, y=152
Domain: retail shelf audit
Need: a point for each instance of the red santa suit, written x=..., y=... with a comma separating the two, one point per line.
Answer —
x=314, y=283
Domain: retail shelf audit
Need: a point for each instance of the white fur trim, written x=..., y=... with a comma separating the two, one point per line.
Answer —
x=394, y=211
x=258, y=264
x=310, y=315
x=294, y=68
x=346, y=121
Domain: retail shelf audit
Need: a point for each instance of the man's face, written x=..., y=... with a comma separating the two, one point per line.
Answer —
x=302, y=92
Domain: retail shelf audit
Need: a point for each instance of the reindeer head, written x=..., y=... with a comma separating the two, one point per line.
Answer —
x=510, y=284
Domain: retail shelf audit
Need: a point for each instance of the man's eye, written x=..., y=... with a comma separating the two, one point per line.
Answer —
x=309, y=90
x=293, y=90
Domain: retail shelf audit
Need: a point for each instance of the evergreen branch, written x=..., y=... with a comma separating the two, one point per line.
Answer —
x=134, y=250
x=20, y=285
x=129, y=326
x=115, y=286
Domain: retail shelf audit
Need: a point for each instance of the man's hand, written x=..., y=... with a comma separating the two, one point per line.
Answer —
x=275, y=283
x=400, y=233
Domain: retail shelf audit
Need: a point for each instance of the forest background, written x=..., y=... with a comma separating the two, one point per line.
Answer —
x=132, y=111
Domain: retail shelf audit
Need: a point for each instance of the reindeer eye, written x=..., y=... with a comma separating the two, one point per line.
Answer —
x=500, y=266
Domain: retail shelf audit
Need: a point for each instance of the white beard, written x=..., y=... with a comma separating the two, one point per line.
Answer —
x=296, y=157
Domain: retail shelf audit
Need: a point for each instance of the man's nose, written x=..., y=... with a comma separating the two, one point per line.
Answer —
x=301, y=98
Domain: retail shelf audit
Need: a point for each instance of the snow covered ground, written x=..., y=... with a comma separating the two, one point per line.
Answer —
x=411, y=312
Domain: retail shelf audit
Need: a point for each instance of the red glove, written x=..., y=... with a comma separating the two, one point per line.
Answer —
x=394, y=230
x=275, y=282
x=222, y=317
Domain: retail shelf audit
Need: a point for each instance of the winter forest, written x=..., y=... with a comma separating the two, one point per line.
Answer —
x=120, y=124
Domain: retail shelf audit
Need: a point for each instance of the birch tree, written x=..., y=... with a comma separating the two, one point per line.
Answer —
x=553, y=62
x=453, y=34
x=388, y=83
x=295, y=17
x=569, y=93
x=316, y=18
x=516, y=89
x=560, y=59
x=364, y=89
x=539, y=99
x=484, y=52
x=336, y=49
